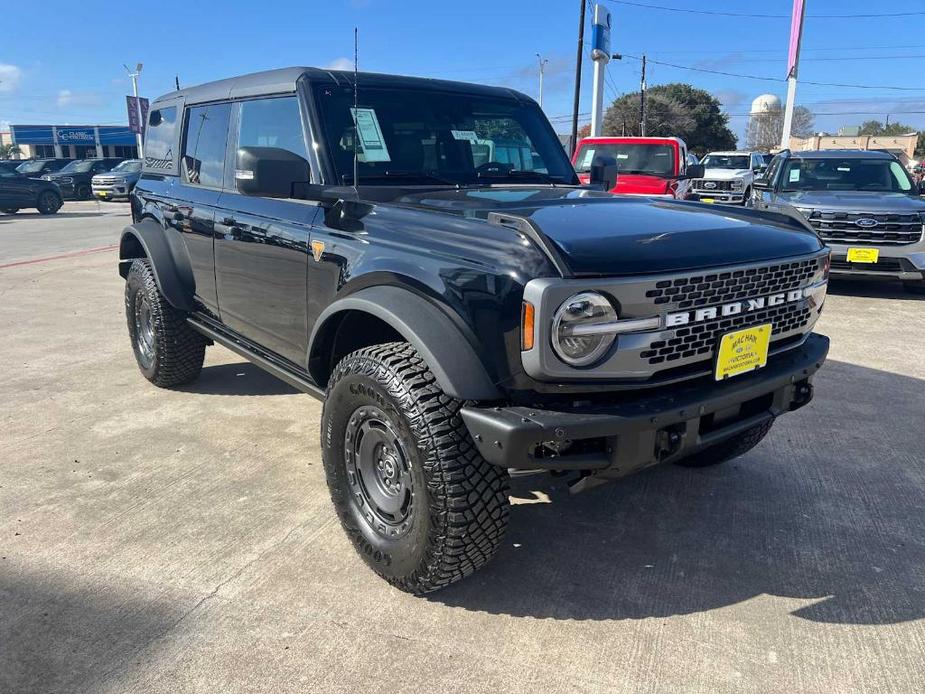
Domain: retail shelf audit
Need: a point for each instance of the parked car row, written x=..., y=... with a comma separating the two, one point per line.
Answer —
x=44, y=184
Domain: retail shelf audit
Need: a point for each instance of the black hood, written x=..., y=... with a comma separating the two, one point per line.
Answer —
x=600, y=234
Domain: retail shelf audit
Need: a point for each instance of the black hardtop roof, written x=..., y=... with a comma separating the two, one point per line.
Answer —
x=284, y=80
x=841, y=154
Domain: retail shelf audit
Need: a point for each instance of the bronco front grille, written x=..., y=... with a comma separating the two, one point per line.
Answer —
x=694, y=340
x=723, y=287
x=890, y=229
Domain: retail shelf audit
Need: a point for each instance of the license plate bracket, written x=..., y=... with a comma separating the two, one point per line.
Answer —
x=741, y=351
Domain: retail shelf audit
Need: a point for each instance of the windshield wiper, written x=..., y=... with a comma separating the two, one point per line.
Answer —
x=519, y=173
x=395, y=173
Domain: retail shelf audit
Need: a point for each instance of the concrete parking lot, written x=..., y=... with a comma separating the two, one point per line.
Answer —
x=183, y=541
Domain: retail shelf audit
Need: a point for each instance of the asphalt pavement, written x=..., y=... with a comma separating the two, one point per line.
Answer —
x=183, y=541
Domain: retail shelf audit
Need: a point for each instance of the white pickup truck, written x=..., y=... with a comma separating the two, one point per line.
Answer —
x=727, y=177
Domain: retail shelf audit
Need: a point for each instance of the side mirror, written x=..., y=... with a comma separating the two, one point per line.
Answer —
x=269, y=172
x=695, y=171
x=761, y=183
x=604, y=172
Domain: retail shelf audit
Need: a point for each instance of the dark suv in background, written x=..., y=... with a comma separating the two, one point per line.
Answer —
x=74, y=179
x=863, y=204
x=36, y=168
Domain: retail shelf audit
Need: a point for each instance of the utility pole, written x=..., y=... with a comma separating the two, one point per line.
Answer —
x=793, y=63
x=543, y=62
x=642, y=99
x=581, y=47
x=141, y=125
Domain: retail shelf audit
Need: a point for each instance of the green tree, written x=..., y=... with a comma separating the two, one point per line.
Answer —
x=8, y=150
x=875, y=127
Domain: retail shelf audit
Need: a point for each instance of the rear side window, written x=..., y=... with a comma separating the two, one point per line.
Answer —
x=272, y=123
x=203, y=162
x=160, y=136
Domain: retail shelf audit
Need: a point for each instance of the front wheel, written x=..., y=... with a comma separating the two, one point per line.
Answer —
x=421, y=506
x=168, y=351
x=728, y=449
x=49, y=202
x=83, y=192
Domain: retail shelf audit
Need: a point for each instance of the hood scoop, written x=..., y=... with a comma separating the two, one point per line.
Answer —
x=530, y=231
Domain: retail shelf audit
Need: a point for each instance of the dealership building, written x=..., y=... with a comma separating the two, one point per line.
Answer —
x=71, y=141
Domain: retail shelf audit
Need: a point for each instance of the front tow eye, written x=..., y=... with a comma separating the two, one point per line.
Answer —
x=668, y=441
x=802, y=394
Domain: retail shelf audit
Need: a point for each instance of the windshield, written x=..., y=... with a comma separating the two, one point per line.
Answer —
x=725, y=161
x=79, y=166
x=416, y=136
x=874, y=175
x=30, y=167
x=632, y=158
x=128, y=166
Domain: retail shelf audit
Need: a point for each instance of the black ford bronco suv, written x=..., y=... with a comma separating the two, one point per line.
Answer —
x=463, y=306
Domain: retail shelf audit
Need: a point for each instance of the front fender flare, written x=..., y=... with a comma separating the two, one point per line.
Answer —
x=169, y=260
x=451, y=357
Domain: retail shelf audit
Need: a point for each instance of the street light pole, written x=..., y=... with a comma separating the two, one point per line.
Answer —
x=138, y=136
x=543, y=62
x=581, y=47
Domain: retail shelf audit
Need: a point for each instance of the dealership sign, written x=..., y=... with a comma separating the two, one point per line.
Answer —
x=76, y=136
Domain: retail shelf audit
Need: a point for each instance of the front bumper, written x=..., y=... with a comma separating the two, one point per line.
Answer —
x=110, y=192
x=724, y=197
x=639, y=431
x=906, y=262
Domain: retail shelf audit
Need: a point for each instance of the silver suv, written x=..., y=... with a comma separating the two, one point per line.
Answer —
x=863, y=204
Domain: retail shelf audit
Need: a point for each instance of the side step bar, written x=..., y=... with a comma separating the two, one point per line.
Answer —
x=299, y=381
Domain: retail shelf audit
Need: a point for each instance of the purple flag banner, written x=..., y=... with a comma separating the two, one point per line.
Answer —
x=796, y=33
x=133, y=124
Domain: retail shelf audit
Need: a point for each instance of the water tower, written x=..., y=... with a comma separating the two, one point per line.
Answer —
x=765, y=103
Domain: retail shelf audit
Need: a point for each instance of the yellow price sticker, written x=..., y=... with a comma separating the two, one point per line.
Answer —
x=742, y=351
x=863, y=255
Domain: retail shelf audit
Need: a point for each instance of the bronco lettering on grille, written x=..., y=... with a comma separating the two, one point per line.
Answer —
x=732, y=308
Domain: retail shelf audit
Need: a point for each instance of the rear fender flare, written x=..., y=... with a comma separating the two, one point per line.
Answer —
x=169, y=260
x=459, y=371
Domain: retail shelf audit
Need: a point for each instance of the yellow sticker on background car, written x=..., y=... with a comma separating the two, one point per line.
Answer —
x=863, y=255
x=742, y=351
x=707, y=200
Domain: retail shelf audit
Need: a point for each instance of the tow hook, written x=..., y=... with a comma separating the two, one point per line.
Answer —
x=668, y=441
x=802, y=394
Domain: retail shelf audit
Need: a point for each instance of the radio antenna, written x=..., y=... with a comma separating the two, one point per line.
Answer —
x=356, y=117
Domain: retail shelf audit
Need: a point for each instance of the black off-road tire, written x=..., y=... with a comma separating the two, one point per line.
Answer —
x=168, y=351
x=49, y=202
x=729, y=449
x=83, y=191
x=9, y=210
x=915, y=287
x=457, y=502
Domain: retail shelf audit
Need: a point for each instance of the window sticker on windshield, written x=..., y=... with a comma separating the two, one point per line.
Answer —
x=465, y=135
x=622, y=155
x=370, y=135
x=794, y=175
x=586, y=159
x=844, y=168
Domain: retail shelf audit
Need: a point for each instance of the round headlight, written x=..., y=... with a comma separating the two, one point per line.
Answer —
x=573, y=328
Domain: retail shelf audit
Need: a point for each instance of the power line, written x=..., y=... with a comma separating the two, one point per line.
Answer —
x=719, y=13
x=765, y=78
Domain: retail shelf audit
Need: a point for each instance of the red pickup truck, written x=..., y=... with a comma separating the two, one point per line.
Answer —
x=655, y=166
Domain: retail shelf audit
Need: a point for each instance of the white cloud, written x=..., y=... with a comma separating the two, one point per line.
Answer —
x=68, y=98
x=10, y=76
x=340, y=64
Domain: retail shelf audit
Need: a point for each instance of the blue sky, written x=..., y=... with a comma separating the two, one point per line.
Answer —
x=47, y=79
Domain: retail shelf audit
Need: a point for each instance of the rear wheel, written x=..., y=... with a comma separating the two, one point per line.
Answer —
x=421, y=506
x=49, y=202
x=9, y=210
x=168, y=351
x=729, y=449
